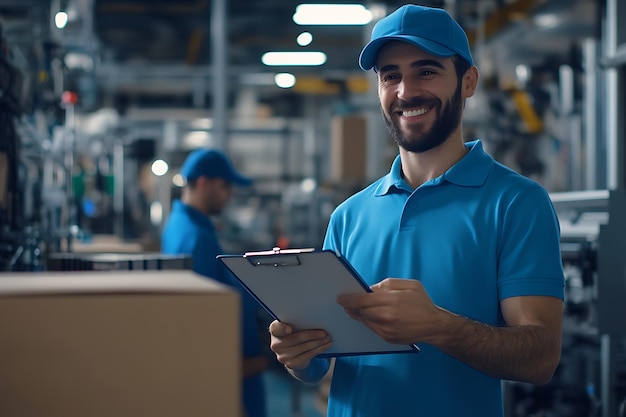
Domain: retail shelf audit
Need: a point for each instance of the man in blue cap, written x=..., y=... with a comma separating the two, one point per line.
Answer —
x=462, y=254
x=210, y=176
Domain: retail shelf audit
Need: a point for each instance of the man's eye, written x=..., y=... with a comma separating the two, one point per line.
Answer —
x=390, y=77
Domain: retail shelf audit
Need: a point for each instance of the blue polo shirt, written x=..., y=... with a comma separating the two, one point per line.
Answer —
x=474, y=236
x=188, y=231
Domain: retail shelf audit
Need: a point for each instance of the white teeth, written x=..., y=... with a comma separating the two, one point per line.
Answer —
x=417, y=112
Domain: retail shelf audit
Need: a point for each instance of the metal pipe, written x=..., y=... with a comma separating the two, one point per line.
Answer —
x=591, y=136
x=607, y=359
x=612, y=100
x=219, y=42
x=118, y=187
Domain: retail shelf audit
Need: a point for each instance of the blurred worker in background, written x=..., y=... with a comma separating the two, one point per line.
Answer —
x=210, y=177
x=461, y=252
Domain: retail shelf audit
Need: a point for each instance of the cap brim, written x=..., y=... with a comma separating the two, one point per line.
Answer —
x=367, y=59
x=241, y=180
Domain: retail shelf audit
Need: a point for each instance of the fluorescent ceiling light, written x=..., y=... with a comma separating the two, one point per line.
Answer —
x=293, y=58
x=332, y=14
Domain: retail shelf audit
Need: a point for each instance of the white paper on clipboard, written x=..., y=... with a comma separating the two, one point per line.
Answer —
x=300, y=287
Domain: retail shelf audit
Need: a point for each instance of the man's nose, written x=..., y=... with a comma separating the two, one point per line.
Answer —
x=408, y=89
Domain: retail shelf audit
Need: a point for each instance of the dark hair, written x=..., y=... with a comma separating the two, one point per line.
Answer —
x=461, y=65
x=191, y=183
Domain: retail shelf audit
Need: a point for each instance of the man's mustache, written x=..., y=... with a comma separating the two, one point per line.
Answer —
x=401, y=105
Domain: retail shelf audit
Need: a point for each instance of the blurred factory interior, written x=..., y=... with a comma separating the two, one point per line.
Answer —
x=100, y=105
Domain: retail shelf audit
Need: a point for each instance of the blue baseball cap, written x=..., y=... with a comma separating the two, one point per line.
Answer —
x=211, y=163
x=430, y=29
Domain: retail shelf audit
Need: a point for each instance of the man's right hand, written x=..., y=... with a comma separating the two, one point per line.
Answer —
x=296, y=349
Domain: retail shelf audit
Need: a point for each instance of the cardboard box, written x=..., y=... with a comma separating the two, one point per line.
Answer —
x=102, y=344
x=348, y=148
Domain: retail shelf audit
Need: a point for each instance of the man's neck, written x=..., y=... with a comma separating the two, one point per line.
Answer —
x=189, y=200
x=418, y=168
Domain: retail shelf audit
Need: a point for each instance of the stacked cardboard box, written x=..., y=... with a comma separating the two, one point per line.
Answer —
x=124, y=344
x=348, y=148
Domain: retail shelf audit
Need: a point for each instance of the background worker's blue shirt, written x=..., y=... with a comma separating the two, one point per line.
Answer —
x=474, y=236
x=189, y=231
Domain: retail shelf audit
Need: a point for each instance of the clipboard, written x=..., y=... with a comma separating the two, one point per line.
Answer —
x=300, y=287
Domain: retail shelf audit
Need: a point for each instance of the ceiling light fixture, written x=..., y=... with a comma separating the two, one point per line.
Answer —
x=178, y=180
x=159, y=167
x=293, y=58
x=304, y=39
x=285, y=80
x=61, y=19
x=332, y=14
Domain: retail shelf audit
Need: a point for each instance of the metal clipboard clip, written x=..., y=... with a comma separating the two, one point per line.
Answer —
x=276, y=257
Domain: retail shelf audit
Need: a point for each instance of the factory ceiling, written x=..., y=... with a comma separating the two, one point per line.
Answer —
x=166, y=47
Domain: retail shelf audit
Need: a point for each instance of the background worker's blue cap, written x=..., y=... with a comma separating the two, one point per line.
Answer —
x=211, y=163
x=430, y=29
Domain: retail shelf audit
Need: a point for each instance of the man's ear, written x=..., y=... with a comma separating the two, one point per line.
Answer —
x=470, y=82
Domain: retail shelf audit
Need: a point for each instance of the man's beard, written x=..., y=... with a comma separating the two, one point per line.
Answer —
x=448, y=120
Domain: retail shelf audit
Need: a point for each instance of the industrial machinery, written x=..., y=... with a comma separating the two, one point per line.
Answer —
x=591, y=377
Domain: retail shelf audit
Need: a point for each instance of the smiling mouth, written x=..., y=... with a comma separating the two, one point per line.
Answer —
x=416, y=112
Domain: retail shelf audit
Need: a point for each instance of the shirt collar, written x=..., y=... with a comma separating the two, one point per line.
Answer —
x=470, y=171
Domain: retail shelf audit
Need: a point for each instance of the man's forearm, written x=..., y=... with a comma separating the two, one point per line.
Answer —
x=528, y=353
